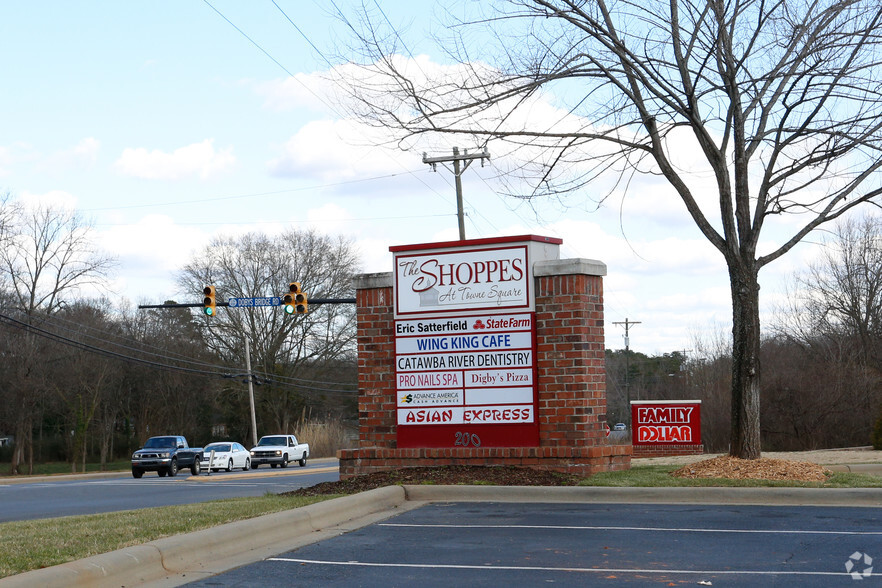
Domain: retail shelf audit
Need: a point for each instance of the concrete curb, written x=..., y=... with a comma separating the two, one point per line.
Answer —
x=173, y=561
x=194, y=552
x=866, y=497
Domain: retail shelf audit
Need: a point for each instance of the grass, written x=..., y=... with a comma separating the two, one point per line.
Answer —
x=659, y=476
x=30, y=545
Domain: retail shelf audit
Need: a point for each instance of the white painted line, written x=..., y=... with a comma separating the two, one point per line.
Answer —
x=664, y=529
x=665, y=571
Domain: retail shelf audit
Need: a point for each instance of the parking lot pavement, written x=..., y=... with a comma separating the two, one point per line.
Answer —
x=492, y=544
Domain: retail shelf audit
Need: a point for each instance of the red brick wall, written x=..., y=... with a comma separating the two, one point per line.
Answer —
x=582, y=461
x=666, y=450
x=377, y=416
x=570, y=355
x=571, y=385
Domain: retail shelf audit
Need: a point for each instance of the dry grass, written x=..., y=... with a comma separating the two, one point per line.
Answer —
x=324, y=438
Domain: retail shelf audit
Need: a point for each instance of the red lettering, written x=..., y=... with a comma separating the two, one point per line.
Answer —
x=448, y=273
x=492, y=267
x=664, y=434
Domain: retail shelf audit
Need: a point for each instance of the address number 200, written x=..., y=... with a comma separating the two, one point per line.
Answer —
x=466, y=440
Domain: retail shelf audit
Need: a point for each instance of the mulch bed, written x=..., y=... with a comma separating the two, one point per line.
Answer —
x=763, y=468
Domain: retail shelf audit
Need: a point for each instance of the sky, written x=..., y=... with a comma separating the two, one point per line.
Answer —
x=167, y=123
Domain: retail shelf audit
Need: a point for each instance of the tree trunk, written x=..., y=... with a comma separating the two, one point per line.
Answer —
x=745, y=426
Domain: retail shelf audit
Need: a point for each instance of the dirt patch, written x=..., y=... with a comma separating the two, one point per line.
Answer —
x=443, y=475
x=763, y=468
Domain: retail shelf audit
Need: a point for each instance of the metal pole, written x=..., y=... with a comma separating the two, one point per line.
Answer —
x=250, y=393
x=458, y=169
x=460, y=215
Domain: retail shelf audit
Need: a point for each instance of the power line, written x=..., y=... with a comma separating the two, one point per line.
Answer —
x=253, y=195
x=329, y=106
x=293, y=222
x=216, y=371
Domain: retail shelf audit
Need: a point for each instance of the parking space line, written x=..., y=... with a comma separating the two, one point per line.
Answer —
x=606, y=528
x=666, y=571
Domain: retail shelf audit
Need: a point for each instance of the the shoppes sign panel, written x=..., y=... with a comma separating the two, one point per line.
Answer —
x=465, y=343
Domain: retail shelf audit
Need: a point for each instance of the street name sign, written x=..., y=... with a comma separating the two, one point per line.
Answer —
x=254, y=302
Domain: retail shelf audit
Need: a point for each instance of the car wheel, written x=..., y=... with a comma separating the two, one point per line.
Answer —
x=247, y=465
x=196, y=468
x=255, y=466
x=303, y=460
x=161, y=473
x=173, y=468
x=284, y=463
x=230, y=466
x=272, y=465
x=137, y=473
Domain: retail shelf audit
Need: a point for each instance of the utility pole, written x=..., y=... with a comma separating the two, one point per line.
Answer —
x=250, y=392
x=457, y=173
x=627, y=324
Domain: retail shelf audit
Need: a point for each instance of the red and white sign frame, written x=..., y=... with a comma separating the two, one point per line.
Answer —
x=666, y=422
x=465, y=342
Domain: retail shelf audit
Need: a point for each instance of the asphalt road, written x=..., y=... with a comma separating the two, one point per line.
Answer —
x=518, y=544
x=76, y=495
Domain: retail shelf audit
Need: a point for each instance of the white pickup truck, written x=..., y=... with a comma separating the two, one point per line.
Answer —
x=279, y=450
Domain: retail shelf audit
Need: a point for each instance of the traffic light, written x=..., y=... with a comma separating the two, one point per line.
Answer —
x=295, y=300
x=209, y=303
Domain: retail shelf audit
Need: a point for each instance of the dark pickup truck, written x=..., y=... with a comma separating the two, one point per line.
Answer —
x=166, y=455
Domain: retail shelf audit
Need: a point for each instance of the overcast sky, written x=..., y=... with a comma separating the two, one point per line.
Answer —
x=165, y=125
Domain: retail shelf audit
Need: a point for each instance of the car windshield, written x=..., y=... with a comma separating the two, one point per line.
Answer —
x=160, y=442
x=264, y=441
x=217, y=447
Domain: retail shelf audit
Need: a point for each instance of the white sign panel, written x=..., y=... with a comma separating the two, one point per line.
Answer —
x=473, y=370
x=454, y=281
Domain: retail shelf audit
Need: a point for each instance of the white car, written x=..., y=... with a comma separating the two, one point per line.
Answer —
x=227, y=456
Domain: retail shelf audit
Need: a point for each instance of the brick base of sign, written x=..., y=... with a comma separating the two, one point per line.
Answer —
x=582, y=461
x=666, y=450
x=570, y=383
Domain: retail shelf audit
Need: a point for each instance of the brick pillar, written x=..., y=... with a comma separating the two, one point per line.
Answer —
x=570, y=350
x=377, y=417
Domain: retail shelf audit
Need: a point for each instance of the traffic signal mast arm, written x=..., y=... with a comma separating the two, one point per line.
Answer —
x=295, y=301
x=315, y=301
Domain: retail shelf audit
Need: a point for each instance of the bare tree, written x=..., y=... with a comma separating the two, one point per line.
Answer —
x=47, y=254
x=840, y=295
x=50, y=254
x=782, y=100
x=301, y=349
x=833, y=317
